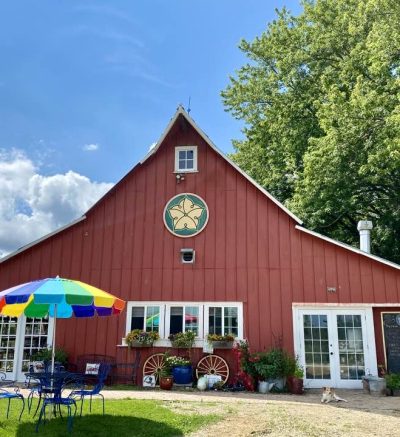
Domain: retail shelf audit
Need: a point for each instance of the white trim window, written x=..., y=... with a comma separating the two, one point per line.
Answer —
x=145, y=316
x=172, y=317
x=224, y=319
x=185, y=159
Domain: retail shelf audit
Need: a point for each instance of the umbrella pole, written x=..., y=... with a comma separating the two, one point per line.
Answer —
x=53, y=352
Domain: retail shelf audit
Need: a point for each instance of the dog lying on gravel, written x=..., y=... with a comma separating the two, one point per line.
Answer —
x=329, y=395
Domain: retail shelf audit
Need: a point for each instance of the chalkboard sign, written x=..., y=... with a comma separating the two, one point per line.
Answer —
x=391, y=330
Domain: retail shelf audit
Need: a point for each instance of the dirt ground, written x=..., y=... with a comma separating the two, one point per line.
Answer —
x=250, y=414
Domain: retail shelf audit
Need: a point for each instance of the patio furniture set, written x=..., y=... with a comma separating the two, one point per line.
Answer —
x=56, y=388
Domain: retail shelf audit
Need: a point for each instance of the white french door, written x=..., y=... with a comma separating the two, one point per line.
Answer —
x=19, y=339
x=336, y=346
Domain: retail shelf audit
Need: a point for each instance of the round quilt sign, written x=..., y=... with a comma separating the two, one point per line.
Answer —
x=185, y=215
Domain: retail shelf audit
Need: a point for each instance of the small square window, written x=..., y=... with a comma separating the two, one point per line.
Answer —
x=185, y=159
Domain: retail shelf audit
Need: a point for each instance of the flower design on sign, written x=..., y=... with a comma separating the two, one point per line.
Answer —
x=185, y=215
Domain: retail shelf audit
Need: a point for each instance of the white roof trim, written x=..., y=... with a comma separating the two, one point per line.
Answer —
x=39, y=240
x=181, y=111
x=348, y=247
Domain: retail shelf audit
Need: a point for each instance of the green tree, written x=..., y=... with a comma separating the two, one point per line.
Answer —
x=320, y=98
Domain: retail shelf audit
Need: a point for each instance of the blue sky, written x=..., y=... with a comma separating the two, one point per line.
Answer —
x=87, y=86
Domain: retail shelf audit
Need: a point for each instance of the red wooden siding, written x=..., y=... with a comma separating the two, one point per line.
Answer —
x=250, y=251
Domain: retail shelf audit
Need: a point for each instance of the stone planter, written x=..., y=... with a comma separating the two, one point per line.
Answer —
x=166, y=382
x=222, y=344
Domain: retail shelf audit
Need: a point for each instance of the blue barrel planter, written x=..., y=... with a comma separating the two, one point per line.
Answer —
x=182, y=374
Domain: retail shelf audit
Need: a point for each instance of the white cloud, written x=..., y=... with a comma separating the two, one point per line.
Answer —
x=90, y=147
x=32, y=205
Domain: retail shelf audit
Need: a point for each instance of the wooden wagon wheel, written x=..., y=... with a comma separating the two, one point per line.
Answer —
x=153, y=366
x=213, y=365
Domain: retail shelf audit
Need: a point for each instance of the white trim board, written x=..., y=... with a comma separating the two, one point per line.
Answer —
x=312, y=305
x=348, y=247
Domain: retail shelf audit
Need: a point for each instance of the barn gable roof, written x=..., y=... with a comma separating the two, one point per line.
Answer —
x=181, y=112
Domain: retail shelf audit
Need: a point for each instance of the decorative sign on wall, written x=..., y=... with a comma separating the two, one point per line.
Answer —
x=185, y=215
x=391, y=332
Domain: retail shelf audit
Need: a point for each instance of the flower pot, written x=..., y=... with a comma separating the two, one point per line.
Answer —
x=182, y=374
x=279, y=383
x=264, y=387
x=295, y=385
x=222, y=344
x=166, y=382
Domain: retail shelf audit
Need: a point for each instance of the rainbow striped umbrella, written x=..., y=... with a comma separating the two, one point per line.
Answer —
x=58, y=298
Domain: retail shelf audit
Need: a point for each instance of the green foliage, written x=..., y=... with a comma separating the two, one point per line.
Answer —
x=320, y=98
x=183, y=339
x=174, y=361
x=275, y=363
x=61, y=356
x=218, y=337
x=393, y=381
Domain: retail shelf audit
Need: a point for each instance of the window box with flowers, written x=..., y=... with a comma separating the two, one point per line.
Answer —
x=139, y=338
x=221, y=341
x=183, y=340
x=181, y=368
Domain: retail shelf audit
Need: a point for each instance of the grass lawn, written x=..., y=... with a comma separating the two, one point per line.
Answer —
x=123, y=418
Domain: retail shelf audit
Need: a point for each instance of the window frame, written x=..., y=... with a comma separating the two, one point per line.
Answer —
x=181, y=149
x=165, y=311
x=238, y=305
x=184, y=305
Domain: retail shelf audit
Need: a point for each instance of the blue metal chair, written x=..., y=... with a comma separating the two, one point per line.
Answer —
x=36, y=381
x=6, y=394
x=104, y=370
x=52, y=395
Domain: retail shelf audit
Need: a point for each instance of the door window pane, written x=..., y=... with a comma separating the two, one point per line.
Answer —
x=316, y=346
x=351, y=350
x=8, y=331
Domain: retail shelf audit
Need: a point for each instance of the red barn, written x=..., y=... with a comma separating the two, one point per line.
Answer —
x=192, y=242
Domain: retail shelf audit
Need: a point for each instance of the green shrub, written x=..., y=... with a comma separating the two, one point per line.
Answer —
x=61, y=356
x=393, y=381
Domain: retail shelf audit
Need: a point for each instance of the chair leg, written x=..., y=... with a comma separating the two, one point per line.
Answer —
x=82, y=399
x=42, y=414
x=103, y=401
x=23, y=407
x=38, y=405
x=8, y=407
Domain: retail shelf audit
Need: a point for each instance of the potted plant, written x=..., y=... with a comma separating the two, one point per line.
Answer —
x=393, y=383
x=221, y=341
x=183, y=339
x=181, y=368
x=295, y=376
x=139, y=338
x=165, y=378
x=60, y=356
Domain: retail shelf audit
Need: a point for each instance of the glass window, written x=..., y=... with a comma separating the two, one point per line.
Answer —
x=186, y=158
x=150, y=314
x=215, y=320
x=184, y=319
x=231, y=321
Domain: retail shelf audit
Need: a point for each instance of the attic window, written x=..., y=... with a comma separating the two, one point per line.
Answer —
x=185, y=159
x=187, y=256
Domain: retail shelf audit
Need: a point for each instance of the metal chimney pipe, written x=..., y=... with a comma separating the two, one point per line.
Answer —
x=364, y=227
